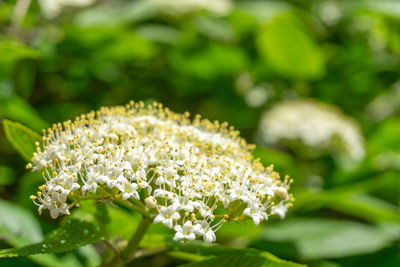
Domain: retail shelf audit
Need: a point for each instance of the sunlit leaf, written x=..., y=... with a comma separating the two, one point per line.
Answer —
x=22, y=138
x=289, y=49
x=11, y=50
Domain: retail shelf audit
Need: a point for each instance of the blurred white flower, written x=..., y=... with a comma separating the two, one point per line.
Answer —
x=53, y=8
x=384, y=104
x=181, y=171
x=256, y=96
x=315, y=124
x=330, y=12
x=180, y=7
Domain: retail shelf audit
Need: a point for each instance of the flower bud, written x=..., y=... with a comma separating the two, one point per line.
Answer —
x=151, y=202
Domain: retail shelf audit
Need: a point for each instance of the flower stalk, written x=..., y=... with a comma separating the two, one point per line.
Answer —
x=128, y=253
x=134, y=242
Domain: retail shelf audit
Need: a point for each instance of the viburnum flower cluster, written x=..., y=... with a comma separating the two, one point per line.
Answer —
x=315, y=124
x=191, y=175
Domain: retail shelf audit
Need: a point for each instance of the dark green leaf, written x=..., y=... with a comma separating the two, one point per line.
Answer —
x=73, y=234
x=233, y=261
x=249, y=257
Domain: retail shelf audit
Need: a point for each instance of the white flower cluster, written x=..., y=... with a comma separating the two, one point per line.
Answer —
x=315, y=124
x=193, y=176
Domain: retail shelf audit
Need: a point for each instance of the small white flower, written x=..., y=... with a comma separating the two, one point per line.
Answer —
x=280, y=209
x=202, y=228
x=185, y=232
x=257, y=214
x=182, y=203
x=55, y=210
x=168, y=216
x=89, y=186
x=128, y=190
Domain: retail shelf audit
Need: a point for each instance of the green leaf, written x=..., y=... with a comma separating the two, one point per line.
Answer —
x=17, y=109
x=385, y=7
x=244, y=229
x=91, y=256
x=158, y=33
x=214, y=61
x=289, y=49
x=18, y=227
x=365, y=206
x=229, y=256
x=12, y=50
x=22, y=138
x=233, y=260
x=323, y=238
x=73, y=234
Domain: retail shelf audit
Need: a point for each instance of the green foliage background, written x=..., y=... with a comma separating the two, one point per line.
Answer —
x=345, y=53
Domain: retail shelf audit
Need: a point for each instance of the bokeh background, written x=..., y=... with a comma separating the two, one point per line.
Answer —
x=315, y=84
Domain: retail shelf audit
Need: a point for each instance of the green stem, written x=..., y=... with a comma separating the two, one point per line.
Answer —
x=136, y=238
x=128, y=252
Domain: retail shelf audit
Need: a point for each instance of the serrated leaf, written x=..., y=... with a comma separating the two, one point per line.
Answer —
x=73, y=234
x=227, y=256
x=22, y=138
